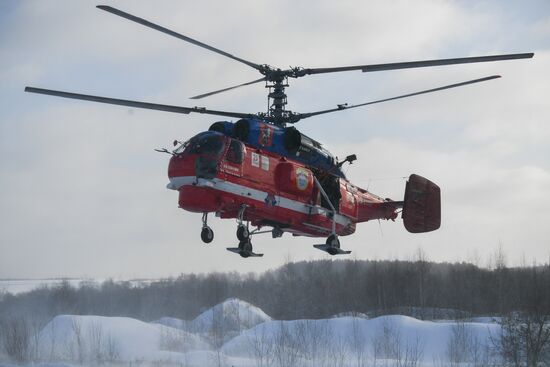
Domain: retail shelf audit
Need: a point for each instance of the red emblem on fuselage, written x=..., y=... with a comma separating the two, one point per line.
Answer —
x=266, y=135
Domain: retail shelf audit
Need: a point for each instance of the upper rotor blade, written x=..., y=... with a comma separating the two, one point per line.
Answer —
x=419, y=64
x=345, y=106
x=226, y=89
x=175, y=34
x=124, y=102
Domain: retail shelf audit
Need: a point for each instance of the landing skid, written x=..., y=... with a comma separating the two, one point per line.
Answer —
x=332, y=249
x=244, y=253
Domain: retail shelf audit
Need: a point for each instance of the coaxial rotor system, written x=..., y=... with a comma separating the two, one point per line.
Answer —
x=276, y=80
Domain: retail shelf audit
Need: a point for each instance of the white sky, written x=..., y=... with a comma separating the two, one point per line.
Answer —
x=83, y=193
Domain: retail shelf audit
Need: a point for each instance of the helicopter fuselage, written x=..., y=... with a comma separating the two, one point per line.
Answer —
x=216, y=173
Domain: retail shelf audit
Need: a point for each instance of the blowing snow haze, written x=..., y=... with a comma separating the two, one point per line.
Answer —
x=84, y=194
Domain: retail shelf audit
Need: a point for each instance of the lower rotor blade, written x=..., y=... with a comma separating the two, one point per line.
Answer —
x=137, y=104
x=346, y=107
x=226, y=89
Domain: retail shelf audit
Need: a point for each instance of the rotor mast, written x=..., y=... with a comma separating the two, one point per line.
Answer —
x=276, y=99
x=276, y=82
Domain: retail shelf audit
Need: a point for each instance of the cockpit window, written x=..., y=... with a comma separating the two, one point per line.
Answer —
x=205, y=143
x=235, y=153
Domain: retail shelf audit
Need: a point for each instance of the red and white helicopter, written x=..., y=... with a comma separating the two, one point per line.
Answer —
x=267, y=174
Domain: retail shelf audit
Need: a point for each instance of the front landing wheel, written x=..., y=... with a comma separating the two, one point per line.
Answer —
x=242, y=233
x=207, y=234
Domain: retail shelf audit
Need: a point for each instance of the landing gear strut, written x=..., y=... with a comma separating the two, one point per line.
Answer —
x=244, y=236
x=207, y=234
x=242, y=230
x=332, y=245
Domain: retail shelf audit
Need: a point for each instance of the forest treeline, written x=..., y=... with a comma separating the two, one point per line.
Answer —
x=307, y=289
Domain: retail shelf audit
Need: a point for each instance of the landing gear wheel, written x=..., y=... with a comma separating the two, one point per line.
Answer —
x=242, y=233
x=333, y=244
x=246, y=248
x=207, y=234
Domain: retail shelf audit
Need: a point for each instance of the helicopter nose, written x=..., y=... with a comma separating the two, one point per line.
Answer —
x=180, y=168
x=177, y=182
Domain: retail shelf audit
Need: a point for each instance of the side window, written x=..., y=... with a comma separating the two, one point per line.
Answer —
x=235, y=153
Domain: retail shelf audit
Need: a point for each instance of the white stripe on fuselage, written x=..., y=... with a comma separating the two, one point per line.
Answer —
x=177, y=182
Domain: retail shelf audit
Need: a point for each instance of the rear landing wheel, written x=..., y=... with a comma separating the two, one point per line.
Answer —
x=207, y=234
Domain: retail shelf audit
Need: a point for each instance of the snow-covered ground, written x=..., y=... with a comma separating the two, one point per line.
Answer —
x=236, y=333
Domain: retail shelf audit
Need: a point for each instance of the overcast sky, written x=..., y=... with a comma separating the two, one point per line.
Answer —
x=83, y=193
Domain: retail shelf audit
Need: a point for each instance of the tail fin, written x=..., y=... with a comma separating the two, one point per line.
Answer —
x=422, y=205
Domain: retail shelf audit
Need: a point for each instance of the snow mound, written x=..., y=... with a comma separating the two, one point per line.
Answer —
x=300, y=337
x=232, y=315
x=99, y=339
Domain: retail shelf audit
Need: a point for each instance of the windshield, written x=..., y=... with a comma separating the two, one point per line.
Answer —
x=208, y=142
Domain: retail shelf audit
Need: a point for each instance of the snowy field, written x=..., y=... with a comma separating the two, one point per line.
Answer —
x=236, y=333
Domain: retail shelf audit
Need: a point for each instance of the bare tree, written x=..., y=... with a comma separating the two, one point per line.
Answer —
x=338, y=351
x=79, y=339
x=389, y=341
x=357, y=343
x=410, y=354
x=311, y=338
x=262, y=346
x=218, y=332
x=52, y=338
x=112, y=351
x=173, y=340
x=524, y=339
x=286, y=349
x=421, y=266
x=95, y=337
x=389, y=346
x=459, y=344
x=465, y=347
x=16, y=338
x=36, y=324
